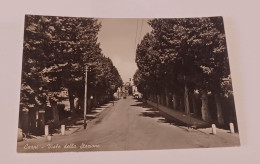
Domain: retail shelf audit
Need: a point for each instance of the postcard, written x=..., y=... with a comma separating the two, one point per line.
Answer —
x=116, y=84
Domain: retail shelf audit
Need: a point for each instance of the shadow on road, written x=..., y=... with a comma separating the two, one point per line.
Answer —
x=154, y=113
x=151, y=114
x=142, y=104
x=171, y=120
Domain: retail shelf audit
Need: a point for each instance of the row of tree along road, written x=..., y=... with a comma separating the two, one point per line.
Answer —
x=183, y=64
x=55, y=55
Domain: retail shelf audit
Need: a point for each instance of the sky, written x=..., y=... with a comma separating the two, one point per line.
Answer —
x=118, y=40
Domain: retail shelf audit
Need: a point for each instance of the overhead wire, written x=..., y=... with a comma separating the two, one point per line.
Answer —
x=136, y=31
x=141, y=31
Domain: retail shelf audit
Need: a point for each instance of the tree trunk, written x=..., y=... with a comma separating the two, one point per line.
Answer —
x=26, y=121
x=180, y=106
x=41, y=120
x=76, y=103
x=55, y=113
x=186, y=99
x=90, y=105
x=194, y=104
x=81, y=103
x=174, y=101
x=98, y=99
x=167, y=99
x=32, y=120
x=95, y=100
x=71, y=100
x=219, y=110
x=205, y=107
x=157, y=101
x=162, y=99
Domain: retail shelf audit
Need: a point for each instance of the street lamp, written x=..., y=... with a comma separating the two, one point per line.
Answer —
x=85, y=97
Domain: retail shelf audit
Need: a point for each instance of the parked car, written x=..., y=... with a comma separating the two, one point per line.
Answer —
x=137, y=95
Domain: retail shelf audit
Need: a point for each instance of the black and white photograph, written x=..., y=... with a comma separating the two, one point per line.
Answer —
x=119, y=84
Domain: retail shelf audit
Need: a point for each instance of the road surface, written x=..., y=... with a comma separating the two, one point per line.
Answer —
x=129, y=125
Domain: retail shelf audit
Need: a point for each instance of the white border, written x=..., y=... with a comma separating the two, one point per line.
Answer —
x=242, y=28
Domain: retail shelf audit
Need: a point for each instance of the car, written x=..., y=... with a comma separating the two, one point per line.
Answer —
x=137, y=95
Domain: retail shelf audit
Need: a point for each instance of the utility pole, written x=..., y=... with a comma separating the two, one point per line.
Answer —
x=85, y=97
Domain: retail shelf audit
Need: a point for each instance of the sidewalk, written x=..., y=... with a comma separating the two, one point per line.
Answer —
x=90, y=116
x=181, y=116
x=73, y=124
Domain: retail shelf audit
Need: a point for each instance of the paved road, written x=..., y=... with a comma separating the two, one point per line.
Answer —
x=129, y=125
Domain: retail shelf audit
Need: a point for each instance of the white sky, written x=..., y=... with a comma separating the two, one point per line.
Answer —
x=117, y=39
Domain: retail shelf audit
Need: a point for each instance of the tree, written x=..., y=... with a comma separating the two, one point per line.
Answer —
x=33, y=87
x=150, y=64
x=210, y=48
x=190, y=54
x=56, y=51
